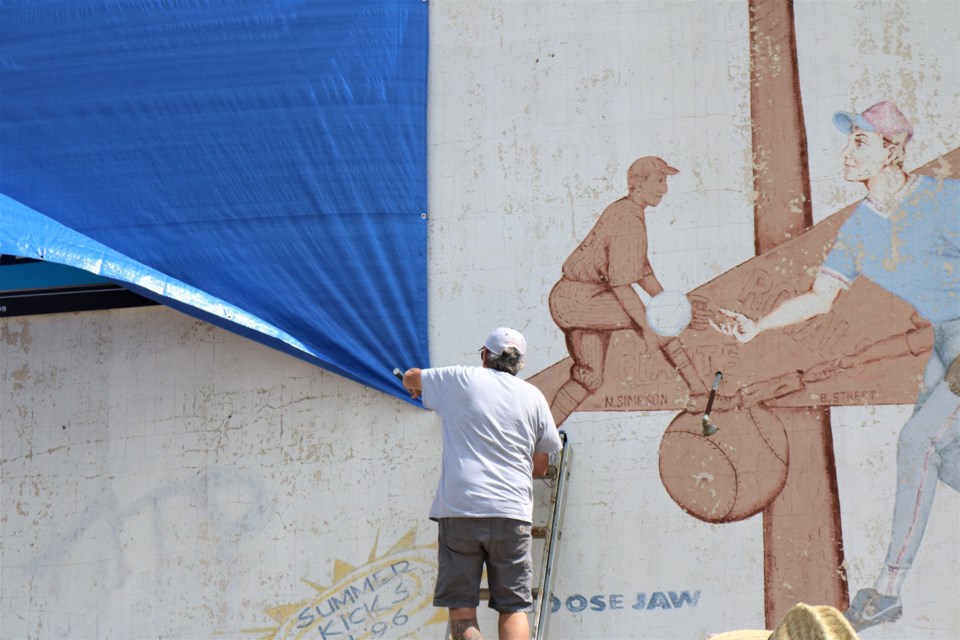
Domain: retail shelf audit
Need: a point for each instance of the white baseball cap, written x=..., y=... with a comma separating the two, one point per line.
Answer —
x=503, y=337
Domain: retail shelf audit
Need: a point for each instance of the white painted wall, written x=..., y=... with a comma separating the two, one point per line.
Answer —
x=163, y=478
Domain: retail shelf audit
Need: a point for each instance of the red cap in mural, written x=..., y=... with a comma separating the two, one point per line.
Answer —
x=884, y=118
x=649, y=166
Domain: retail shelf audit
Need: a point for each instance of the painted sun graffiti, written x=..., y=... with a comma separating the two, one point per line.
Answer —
x=390, y=596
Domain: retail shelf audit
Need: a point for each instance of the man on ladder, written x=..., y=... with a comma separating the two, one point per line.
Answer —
x=497, y=435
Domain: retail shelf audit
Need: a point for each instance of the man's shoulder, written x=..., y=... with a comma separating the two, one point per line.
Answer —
x=622, y=208
x=617, y=217
x=938, y=180
x=935, y=196
x=531, y=389
x=937, y=185
x=455, y=369
x=451, y=372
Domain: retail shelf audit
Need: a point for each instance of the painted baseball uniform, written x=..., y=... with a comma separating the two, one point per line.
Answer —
x=613, y=253
x=911, y=247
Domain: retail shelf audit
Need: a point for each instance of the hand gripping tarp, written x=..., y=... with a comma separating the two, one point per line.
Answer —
x=259, y=165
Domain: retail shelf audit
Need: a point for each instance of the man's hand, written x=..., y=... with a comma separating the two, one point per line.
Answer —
x=412, y=382
x=702, y=312
x=737, y=326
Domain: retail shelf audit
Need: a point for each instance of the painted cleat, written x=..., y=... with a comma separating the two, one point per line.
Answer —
x=870, y=607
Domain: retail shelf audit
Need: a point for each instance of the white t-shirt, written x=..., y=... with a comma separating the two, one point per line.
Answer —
x=493, y=422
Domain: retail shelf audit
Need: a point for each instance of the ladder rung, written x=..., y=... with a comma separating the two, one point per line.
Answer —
x=538, y=532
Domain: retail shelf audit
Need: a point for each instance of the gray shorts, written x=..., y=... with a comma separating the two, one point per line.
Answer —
x=465, y=544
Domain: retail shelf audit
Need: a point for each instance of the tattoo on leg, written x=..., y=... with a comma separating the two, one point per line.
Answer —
x=466, y=629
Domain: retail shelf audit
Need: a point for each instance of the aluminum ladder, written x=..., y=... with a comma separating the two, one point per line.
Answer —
x=551, y=534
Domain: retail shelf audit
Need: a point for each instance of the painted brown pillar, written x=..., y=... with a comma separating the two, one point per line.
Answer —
x=781, y=178
x=802, y=538
x=803, y=544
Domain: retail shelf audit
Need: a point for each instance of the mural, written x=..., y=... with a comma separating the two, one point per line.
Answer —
x=841, y=357
x=773, y=454
x=169, y=478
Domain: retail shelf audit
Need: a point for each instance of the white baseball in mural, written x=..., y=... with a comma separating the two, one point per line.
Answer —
x=669, y=313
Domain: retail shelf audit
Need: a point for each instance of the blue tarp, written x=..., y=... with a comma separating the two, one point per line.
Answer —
x=259, y=165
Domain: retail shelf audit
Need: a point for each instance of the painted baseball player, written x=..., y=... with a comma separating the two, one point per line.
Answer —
x=905, y=237
x=596, y=295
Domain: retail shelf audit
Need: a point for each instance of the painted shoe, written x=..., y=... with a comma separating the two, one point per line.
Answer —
x=870, y=607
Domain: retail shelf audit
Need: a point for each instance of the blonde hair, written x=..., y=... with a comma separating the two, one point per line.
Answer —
x=802, y=622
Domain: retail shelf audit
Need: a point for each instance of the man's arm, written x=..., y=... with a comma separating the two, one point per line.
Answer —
x=912, y=343
x=632, y=304
x=548, y=440
x=541, y=462
x=412, y=382
x=817, y=301
x=672, y=349
x=650, y=284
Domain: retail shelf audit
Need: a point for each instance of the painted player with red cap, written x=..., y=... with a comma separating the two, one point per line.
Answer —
x=905, y=237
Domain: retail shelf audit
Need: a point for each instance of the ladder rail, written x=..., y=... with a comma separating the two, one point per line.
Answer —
x=543, y=603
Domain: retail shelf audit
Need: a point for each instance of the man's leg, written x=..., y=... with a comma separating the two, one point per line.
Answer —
x=588, y=349
x=460, y=567
x=918, y=468
x=931, y=429
x=464, y=625
x=928, y=441
x=928, y=431
x=509, y=573
x=678, y=357
x=514, y=626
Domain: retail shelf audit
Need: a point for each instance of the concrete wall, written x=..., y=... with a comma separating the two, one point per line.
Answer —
x=164, y=478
